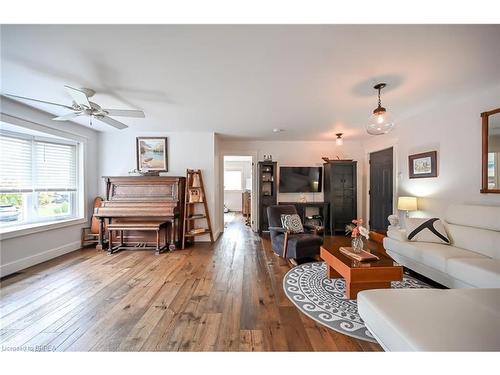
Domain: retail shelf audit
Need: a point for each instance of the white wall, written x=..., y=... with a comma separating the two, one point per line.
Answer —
x=217, y=220
x=185, y=150
x=452, y=126
x=232, y=198
x=298, y=153
x=24, y=251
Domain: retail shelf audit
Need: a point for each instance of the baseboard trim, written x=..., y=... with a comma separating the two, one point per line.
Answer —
x=20, y=264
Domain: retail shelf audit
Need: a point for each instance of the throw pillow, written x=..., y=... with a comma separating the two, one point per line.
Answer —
x=292, y=223
x=426, y=230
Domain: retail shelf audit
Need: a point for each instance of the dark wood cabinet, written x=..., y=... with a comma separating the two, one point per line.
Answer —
x=341, y=193
x=267, y=191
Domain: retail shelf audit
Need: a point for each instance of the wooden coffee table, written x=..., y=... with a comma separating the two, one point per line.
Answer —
x=359, y=276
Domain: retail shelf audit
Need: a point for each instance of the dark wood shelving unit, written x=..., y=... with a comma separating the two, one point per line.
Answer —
x=267, y=191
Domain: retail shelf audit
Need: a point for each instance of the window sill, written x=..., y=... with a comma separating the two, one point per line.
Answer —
x=24, y=230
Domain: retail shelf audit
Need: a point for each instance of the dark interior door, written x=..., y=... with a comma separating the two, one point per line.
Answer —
x=381, y=184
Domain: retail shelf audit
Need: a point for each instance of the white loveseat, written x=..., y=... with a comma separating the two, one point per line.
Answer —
x=471, y=261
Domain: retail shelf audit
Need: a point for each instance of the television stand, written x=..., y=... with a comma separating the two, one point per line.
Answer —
x=302, y=208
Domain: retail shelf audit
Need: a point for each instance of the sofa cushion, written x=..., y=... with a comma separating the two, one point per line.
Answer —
x=433, y=319
x=426, y=230
x=431, y=254
x=485, y=217
x=483, y=241
x=479, y=272
x=397, y=234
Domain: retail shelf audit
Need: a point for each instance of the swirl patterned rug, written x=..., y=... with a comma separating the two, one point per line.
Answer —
x=324, y=301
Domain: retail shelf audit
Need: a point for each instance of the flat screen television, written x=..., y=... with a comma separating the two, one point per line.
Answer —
x=300, y=179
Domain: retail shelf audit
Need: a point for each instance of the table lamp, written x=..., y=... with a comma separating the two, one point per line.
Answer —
x=407, y=204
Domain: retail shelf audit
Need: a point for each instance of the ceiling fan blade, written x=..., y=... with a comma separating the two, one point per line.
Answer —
x=67, y=117
x=125, y=113
x=112, y=122
x=79, y=97
x=39, y=101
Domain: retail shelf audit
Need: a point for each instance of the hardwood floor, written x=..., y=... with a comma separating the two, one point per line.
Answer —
x=225, y=297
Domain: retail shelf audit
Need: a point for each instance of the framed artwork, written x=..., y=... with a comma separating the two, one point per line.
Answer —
x=152, y=154
x=423, y=165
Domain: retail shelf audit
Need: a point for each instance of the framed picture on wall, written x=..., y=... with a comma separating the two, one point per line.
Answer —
x=152, y=154
x=423, y=165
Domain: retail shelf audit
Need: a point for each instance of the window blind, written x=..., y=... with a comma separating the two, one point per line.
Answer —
x=55, y=167
x=15, y=164
x=28, y=164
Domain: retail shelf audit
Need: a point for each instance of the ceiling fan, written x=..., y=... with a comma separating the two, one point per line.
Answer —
x=82, y=106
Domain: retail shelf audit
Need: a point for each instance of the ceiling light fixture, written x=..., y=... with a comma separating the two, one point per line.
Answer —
x=380, y=121
x=277, y=130
x=339, y=141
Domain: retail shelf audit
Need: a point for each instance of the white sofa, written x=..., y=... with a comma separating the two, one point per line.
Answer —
x=433, y=319
x=471, y=261
x=461, y=319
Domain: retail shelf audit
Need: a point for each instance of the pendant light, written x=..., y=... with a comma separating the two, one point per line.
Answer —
x=339, y=141
x=380, y=122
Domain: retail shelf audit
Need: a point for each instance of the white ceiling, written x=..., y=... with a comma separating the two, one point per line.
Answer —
x=243, y=81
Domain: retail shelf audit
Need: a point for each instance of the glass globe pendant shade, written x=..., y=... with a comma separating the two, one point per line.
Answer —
x=380, y=122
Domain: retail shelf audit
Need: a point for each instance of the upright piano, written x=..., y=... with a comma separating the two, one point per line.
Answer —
x=136, y=198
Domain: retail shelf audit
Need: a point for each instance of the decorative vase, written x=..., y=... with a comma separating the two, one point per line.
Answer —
x=357, y=244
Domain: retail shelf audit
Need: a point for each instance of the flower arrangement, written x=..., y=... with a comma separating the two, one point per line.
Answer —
x=357, y=232
x=356, y=229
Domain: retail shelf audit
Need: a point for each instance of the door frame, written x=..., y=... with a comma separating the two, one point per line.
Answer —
x=375, y=148
x=220, y=209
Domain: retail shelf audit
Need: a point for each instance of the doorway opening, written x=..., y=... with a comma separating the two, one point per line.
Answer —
x=381, y=189
x=238, y=195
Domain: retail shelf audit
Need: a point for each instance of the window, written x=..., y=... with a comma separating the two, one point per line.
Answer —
x=232, y=180
x=38, y=179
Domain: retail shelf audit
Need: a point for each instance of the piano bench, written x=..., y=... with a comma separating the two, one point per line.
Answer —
x=156, y=226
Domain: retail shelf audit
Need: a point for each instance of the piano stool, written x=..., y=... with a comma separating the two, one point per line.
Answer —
x=138, y=225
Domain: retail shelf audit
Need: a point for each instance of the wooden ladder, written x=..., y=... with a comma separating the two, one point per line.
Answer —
x=195, y=196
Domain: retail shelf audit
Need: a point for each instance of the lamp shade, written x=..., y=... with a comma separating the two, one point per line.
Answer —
x=407, y=203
